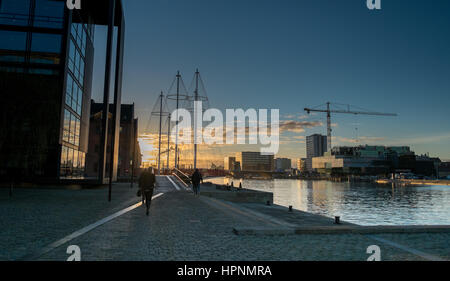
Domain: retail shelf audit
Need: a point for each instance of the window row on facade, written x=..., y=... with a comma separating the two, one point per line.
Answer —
x=74, y=95
x=45, y=47
x=71, y=133
x=72, y=163
x=44, y=13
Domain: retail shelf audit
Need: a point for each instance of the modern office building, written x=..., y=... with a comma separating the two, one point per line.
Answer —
x=255, y=161
x=316, y=146
x=283, y=164
x=128, y=142
x=46, y=70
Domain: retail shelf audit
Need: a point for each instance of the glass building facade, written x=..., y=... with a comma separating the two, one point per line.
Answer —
x=46, y=61
x=72, y=157
x=32, y=33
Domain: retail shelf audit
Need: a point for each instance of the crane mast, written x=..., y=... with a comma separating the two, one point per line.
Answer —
x=328, y=111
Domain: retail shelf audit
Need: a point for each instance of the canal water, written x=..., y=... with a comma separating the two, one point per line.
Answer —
x=359, y=203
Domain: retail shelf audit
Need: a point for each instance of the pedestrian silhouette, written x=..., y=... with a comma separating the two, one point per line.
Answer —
x=195, y=179
x=147, y=185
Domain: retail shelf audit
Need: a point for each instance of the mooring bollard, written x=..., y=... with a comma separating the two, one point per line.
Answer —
x=337, y=220
x=290, y=208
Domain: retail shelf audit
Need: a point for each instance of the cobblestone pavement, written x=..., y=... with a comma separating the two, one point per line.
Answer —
x=34, y=218
x=183, y=227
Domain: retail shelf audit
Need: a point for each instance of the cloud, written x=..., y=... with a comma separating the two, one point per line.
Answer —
x=359, y=140
x=298, y=126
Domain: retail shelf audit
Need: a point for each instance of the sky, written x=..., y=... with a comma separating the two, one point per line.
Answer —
x=292, y=54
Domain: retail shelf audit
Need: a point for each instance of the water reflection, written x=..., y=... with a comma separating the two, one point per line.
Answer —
x=361, y=203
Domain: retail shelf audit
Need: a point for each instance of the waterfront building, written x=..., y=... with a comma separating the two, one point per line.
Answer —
x=46, y=69
x=374, y=160
x=316, y=146
x=128, y=142
x=255, y=161
x=229, y=163
x=444, y=170
x=283, y=164
x=301, y=165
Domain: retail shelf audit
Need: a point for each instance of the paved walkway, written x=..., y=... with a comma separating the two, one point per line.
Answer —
x=180, y=227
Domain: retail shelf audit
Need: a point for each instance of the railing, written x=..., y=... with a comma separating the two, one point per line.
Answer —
x=185, y=179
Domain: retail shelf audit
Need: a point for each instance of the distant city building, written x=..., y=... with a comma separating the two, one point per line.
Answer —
x=128, y=141
x=283, y=164
x=374, y=160
x=46, y=66
x=316, y=146
x=255, y=162
x=444, y=170
x=301, y=165
x=229, y=163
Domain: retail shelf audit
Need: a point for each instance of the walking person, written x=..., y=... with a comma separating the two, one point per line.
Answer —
x=196, y=178
x=147, y=185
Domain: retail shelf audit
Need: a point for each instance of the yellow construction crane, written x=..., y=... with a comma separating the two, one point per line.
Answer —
x=328, y=111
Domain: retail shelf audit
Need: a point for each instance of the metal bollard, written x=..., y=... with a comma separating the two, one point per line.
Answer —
x=268, y=203
x=337, y=220
x=290, y=208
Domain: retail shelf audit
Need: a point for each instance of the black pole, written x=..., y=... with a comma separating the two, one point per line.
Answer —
x=117, y=105
x=106, y=87
x=160, y=124
x=134, y=153
x=176, y=137
x=111, y=32
x=168, y=143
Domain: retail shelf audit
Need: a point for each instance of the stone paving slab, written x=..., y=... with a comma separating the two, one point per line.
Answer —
x=34, y=218
x=180, y=227
x=342, y=229
x=184, y=227
x=296, y=217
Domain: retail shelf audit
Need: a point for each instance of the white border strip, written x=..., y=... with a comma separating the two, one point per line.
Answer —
x=84, y=230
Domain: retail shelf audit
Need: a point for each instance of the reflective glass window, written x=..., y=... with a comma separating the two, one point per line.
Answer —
x=46, y=43
x=66, y=125
x=49, y=13
x=75, y=159
x=13, y=12
x=69, y=90
x=69, y=157
x=13, y=40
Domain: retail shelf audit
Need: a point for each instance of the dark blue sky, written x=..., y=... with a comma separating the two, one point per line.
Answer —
x=291, y=54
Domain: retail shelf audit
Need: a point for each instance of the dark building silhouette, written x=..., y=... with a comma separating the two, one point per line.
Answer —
x=316, y=146
x=128, y=142
x=46, y=61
